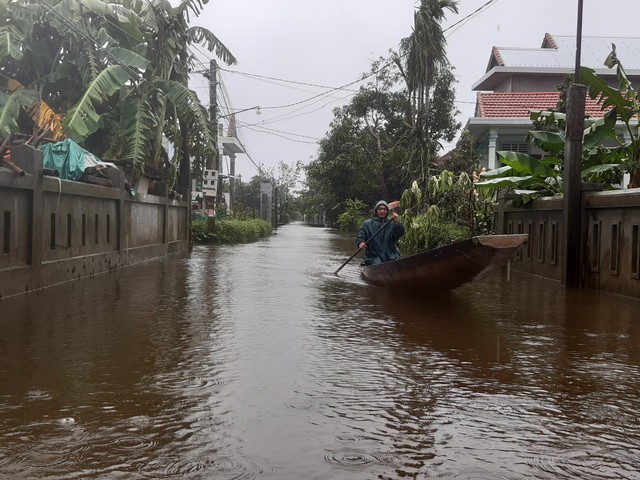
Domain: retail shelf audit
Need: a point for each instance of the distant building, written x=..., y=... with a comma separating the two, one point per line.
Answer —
x=520, y=80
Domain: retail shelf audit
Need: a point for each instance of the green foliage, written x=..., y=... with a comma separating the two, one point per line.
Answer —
x=117, y=71
x=11, y=107
x=450, y=209
x=463, y=158
x=428, y=78
x=624, y=103
x=431, y=230
x=237, y=231
x=83, y=119
x=200, y=231
x=531, y=178
x=229, y=231
x=352, y=216
x=246, y=198
x=368, y=152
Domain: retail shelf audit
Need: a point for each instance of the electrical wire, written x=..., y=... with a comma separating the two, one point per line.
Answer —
x=464, y=20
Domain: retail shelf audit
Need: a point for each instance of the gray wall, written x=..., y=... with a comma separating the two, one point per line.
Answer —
x=54, y=230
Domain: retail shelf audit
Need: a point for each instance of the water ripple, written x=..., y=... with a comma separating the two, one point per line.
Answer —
x=350, y=458
x=229, y=468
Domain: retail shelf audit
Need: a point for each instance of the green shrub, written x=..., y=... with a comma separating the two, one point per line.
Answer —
x=230, y=231
x=352, y=217
x=431, y=230
x=200, y=230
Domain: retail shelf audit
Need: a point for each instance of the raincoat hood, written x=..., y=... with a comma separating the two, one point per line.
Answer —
x=381, y=202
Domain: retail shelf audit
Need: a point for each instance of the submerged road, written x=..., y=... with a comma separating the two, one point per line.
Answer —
x=256, y=362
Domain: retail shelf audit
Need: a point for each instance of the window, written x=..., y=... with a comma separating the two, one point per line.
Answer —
x=516, y=147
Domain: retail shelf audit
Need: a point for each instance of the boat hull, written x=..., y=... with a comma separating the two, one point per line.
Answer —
x=448, y=267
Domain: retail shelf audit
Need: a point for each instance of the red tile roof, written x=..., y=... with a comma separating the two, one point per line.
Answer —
x=519, y=104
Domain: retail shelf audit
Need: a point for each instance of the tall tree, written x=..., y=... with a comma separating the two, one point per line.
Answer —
x=422, y=60
x=361, y=156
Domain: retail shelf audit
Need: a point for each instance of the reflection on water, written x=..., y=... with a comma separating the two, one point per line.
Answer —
x=256, y=362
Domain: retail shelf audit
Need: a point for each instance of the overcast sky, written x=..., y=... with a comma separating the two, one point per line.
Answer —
x=281, y=45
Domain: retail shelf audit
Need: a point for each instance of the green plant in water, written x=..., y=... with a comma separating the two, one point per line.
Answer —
x=200, y=231
x=229, y=231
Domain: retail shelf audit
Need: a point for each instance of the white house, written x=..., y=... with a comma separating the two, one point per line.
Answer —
x=520, y=80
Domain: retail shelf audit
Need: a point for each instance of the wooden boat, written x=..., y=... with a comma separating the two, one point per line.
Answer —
x=447, y=267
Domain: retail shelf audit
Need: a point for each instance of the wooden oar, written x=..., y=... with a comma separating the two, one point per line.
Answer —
x=392, y=205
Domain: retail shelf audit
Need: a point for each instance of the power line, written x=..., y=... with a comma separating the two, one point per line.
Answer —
x=464, y=20
x=257, y=127
x=236, y=72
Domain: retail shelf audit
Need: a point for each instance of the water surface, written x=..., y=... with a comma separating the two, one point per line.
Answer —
x=256, y=362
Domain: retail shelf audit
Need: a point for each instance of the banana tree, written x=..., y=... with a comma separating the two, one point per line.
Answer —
x=624, y=105
x=525, y=174
x=530, y=177
x=117, y=71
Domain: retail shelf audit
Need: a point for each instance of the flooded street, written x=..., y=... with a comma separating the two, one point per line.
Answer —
x=256, y=362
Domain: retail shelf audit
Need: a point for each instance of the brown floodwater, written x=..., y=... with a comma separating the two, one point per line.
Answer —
x=256, y=362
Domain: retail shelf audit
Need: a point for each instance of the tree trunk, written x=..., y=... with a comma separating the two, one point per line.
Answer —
x=635, y=179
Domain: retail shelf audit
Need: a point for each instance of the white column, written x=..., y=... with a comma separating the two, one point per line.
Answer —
x=491, y=160
x=626, y=178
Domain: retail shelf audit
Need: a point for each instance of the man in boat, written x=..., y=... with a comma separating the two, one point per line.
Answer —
x=379, y=235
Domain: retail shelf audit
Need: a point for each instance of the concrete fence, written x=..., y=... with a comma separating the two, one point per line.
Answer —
x=610, y=239
x=54, y=230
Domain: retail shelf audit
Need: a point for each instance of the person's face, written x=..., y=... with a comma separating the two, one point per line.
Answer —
x=381, y=211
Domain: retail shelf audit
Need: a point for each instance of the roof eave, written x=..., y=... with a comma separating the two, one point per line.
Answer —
x=481, y=126
x=497, y=74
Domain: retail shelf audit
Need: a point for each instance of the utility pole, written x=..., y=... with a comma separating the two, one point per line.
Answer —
x=572, y=193
x=213, y=110
x=213, y=162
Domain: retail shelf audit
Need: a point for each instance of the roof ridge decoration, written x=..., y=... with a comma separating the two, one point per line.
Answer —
x=529, y=49
x=549, y=42
x=572, y=37
x=495, y=52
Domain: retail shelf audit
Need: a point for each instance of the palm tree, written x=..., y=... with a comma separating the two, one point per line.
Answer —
x=421, y=57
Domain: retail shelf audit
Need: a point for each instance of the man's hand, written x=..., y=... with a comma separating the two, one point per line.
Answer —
x=362, y=245
x=394, y=217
